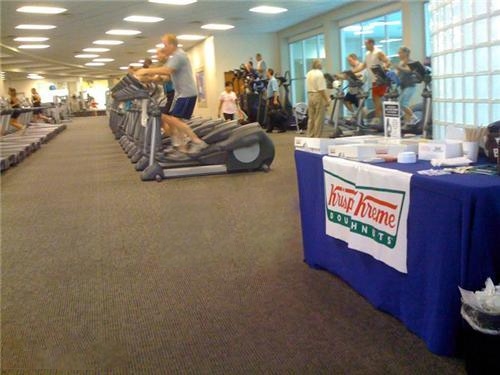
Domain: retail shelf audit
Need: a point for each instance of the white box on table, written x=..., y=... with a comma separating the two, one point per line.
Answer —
x=314, y=145
x=358, y=151
x=320, y=145
x=439, y=149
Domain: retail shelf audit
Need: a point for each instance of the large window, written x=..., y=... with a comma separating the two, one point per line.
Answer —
x=385, y=30
x=427, y=28
x=465, y=63
x=302, y=54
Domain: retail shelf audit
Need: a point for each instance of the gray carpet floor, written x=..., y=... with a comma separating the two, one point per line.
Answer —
x=104, y=274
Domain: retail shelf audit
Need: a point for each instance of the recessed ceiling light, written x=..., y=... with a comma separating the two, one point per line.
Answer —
x=107, y=42
x=94, y=64
x=174, y=2
x=34, y=76
x=31, y=39
x=86, y=56
x=35, y=27
x=122, y=32
x=146, y=19
x=41, y=10
x=268, y=9
x=217, y=26
x=190, y=37
x=103, y=60
x=33, y=46
x=96, y=49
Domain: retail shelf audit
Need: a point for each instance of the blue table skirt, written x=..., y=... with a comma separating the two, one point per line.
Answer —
x=453, y=240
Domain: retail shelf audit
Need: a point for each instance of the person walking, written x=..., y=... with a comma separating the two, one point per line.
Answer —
x=228, y=102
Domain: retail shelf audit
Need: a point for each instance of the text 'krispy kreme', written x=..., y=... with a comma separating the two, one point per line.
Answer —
x=342, y=198
x=378, y=210
x=363, y=206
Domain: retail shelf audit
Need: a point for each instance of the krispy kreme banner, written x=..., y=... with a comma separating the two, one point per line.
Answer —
x=367, y=207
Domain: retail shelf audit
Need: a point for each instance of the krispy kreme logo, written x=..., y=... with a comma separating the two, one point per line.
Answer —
x=372, y=213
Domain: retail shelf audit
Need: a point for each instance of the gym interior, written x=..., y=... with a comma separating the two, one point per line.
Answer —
x=102, y=272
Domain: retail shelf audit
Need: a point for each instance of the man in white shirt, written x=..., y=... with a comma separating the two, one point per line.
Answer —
x=261, y=65
x=317, y=99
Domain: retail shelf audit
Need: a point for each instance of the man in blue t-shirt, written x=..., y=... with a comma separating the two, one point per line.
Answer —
x=273, y=104
x=178, y=67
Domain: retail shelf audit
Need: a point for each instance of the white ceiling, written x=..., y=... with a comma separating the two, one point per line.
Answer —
x=88, y=20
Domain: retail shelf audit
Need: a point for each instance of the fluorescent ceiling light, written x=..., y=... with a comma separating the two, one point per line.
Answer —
x=268, y=9
x=35, y=27
x=94, y=64
x=35, y=76
x=122, y=32
x=96, y=49
x=86, y=56
x=31, y=39
x=152, y=50
x=146, y=19
x=174, y=2
x=135, y=64
x=123, y=67
x=190, y=37
x=160, y=45
x=180, y=45
x=107, y=42
x=33, y=46
x=217, y=26
x=103, y=60
x=41, y=10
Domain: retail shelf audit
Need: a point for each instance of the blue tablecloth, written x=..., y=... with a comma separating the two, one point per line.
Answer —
x=453, y=240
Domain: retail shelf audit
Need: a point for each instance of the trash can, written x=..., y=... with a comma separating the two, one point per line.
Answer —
x=481, y=341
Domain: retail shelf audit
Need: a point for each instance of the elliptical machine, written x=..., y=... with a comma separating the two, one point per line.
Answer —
x=231, y=148
x=424, y=75
x=356, y=125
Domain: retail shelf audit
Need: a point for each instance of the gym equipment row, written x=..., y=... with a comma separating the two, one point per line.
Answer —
x=16, y=146
x=231, y=147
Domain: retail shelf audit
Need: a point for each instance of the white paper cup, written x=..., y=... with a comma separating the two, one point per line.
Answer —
x=471, y=150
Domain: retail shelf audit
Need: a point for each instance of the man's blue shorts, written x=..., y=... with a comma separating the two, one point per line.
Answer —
x=183, y=107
